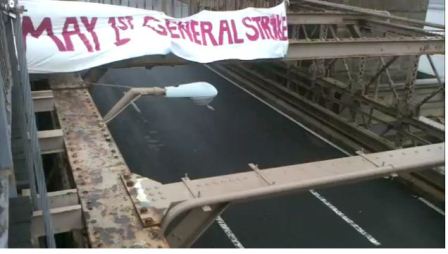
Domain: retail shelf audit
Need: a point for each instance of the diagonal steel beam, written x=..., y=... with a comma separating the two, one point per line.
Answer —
x=378, y=74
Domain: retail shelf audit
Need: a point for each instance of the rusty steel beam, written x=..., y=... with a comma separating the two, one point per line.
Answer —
x=322, y=18
x=363, y=47
x=369, y=12
x=387, y=26
x=97, y=164
x=329, y=82
x=173, y=203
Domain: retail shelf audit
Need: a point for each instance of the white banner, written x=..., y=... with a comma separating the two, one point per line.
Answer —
x=66, y=36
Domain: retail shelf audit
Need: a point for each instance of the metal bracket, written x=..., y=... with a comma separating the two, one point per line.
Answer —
x=364, y=156
x=148, y=214
x=186, y=180
x=255, y=168
x=376, y=164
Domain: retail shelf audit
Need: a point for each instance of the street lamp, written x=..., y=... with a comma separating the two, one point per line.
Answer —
x=202, y=93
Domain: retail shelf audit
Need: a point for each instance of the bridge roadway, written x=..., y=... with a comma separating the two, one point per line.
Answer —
x=164, y=139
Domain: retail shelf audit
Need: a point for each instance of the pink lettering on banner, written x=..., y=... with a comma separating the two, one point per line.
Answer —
x=224, y=31
x=206, y=31
x=235, y=33
x=124, y=23
x=198, y=32
x=260, y=29
x=266, y=28
x=284, y=29
x=202, y=32
x=253, y=36
x=80, y=38
x=44, y=26
x=184, y=29
x=90, y=27
x=172, y=28
x=147, y=20
x=193, y=25
x=71, y=28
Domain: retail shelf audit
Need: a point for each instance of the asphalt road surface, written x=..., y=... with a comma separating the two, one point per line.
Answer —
x=165, y=138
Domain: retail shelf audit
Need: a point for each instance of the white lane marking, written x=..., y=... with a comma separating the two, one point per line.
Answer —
x=349, y=221
x=280, y=112
x=431, y=205
x=229, y=233
x=314, y=193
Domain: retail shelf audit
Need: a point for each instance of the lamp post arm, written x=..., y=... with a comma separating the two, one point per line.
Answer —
x=129, y=97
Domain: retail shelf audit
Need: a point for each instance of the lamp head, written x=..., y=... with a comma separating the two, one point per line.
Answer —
x=201, y=93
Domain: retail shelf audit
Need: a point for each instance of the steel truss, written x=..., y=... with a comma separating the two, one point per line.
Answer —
x=112, y=198
x=327, y=79
x=362, y=85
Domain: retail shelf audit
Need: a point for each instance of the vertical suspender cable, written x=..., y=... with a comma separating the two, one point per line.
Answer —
x=31, y=132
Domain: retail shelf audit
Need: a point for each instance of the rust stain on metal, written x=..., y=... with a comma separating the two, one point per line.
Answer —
x=97, y=164
x=149, y=215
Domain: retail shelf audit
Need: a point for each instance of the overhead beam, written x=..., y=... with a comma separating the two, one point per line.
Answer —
x=370, y=12
x=174, y=202
x=363, y=47
x=51, y=141
x=322, y=18
x=43, y=101
x=432, y=123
